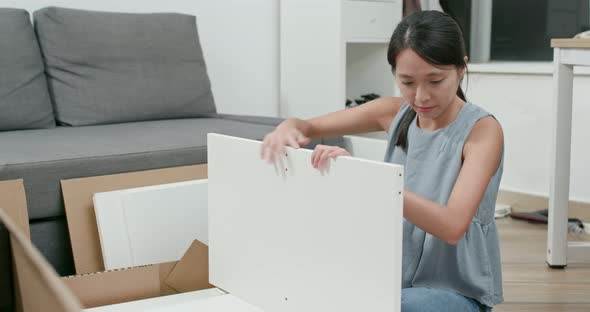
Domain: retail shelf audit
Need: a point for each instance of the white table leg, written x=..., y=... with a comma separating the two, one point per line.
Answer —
x=560, y=162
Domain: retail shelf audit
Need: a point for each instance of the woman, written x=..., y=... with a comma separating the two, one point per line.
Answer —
x=452, y=152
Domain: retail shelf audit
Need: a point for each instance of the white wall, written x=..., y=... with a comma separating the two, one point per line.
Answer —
x=239, y=40
x=523, y=105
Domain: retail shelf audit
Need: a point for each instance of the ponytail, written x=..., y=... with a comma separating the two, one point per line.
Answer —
x=461, y=95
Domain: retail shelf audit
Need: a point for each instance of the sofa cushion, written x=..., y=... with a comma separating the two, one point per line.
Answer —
x=44, y=157
x=24, y=98
x=263, y=120
x=118, y=67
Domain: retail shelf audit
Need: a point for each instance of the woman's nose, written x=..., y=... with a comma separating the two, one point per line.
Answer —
x=422, y=95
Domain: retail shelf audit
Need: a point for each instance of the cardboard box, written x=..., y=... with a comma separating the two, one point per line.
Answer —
x=11, y=195
x=77, y=194
x=188, y=274
x=39, y=288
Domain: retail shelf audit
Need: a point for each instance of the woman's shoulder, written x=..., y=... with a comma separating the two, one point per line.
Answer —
x=477, y=111
x=481, y=118
x=476, y=125
x=486, y=130
x=487, y=124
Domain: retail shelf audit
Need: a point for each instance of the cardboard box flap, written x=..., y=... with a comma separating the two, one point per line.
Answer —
x=77, y=194
x=117, y=286
x=165, y=269
x=192, y=270
x=124, y=285
x=40, y=287
x=14, y=202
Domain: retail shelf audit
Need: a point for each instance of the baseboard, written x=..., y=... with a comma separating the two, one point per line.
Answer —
x=522, y=202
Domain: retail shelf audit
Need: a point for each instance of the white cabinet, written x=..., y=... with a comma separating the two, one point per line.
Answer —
x=331, y=50
x=368, y=21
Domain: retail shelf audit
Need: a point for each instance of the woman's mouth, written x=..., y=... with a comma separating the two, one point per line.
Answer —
x=424, y=109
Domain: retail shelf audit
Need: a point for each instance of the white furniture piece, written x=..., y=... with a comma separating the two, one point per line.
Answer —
x=288, y=237
x=365, y=147
x=208, y=300
x=333, y=50
x=567, y=53
x=151, y=224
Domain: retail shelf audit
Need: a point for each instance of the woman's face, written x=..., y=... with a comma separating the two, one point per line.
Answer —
x=429, y=89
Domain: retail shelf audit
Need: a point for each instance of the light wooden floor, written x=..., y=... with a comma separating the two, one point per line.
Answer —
x=529, y=284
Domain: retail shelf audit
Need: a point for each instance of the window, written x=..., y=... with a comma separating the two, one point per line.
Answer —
x=460, y=10
x=522, y=30
x=515, y=30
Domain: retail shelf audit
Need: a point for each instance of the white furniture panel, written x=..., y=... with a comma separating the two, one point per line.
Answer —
x=209, y=300
x=151, y=224
x=288, y=237
x=367, y=148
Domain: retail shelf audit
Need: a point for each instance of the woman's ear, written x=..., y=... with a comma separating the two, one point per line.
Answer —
x=462, y=70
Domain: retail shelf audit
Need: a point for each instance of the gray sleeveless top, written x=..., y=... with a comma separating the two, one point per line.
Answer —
x=432, y=164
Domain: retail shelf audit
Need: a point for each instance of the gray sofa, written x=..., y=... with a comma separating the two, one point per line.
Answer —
x=92, y=93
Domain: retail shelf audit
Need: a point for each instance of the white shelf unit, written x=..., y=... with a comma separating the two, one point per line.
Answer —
x=332, y=50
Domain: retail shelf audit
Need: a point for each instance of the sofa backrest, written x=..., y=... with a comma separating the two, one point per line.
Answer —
x=24, y=98
x=108, y=67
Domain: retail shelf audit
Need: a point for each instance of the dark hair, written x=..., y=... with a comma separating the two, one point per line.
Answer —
x=434, y=36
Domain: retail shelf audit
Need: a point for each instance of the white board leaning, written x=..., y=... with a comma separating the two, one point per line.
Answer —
x=153, y=224
x=288, y=237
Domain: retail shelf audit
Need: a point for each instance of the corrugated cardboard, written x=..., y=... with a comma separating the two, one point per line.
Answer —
x=144, y=282
x=14, y=204
x=43, y=290
x=187, y=276
x=78, y=194
x=99, y=289
x=38, y=284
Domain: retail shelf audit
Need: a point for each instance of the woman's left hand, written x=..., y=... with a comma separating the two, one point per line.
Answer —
x=322, y=153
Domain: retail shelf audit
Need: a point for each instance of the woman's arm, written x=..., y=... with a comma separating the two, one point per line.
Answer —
x=375, y=115
x=481, y=157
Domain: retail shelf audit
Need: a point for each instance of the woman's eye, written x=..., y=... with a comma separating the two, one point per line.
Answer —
x=407, y=83
x=436, y=81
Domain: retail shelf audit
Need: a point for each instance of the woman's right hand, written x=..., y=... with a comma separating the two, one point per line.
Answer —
x=285, y=134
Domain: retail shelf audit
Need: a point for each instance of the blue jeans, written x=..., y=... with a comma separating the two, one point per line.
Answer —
x=419, y=299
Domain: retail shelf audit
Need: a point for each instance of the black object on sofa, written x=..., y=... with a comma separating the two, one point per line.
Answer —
x=92, y=93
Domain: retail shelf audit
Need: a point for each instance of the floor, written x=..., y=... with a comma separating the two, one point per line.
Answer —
x=529, y=284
